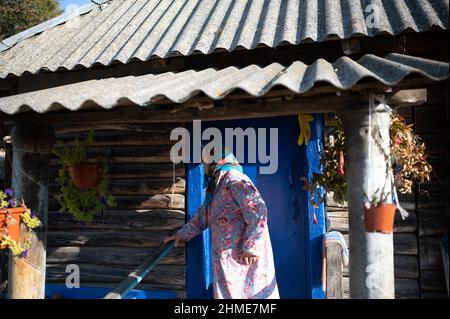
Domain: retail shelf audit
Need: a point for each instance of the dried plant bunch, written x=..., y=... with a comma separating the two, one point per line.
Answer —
x=407, y=155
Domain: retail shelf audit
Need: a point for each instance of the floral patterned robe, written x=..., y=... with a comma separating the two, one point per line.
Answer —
x=237, y=217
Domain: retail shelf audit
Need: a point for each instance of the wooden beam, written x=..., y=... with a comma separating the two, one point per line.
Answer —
x=135, y=114
x=403, y=98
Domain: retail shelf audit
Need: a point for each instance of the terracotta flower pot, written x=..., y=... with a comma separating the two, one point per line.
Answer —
x=86, y=175
x=379, y=218
x=12, y=229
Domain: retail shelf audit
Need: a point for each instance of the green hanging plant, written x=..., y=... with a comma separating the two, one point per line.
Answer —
x=81, y=201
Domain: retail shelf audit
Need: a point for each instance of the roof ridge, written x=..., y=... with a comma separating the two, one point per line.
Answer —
x=9, y=42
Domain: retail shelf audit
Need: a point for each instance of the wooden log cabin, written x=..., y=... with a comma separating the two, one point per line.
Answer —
x=134, y=70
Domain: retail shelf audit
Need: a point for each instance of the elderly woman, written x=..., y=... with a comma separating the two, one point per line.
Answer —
x=242, y=257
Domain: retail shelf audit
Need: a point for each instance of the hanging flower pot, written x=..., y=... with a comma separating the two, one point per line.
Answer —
x=10, y=223
x=86, y=175
x=380, y=218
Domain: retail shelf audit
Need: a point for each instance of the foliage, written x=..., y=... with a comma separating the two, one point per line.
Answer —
x=19, y=15
x=332, y=177
x=409, y=158
x=407, y=154
x=28, y=218
x=83, y=204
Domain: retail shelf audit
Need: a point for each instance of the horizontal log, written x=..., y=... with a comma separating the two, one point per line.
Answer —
x=432, y=280
x=61, y=130
x=433, y=227
x=120, y=139
x=407, y=225
x=111, y=256
x=136, y=114
x=167, y=275
x=145, y=220
x=126, y=154
x=338, y=224
x=406, y=266
x=106, y=238
x=163, y=201
x=405, y=244
x=432, y=201
x=407, y=288
x=430, y=253
x=424, y=215
x=138, y=187
x=137, y=171
x=434, y=295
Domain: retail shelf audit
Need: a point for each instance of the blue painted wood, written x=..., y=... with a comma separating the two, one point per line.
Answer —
x=295, y=240
x=198, y=251
x=315, y=231
x=60, y=290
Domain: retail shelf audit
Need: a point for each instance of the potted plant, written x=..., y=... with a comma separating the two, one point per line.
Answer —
x=84, y=172
x=12, y=214
x=83, y=182
x=408, y=165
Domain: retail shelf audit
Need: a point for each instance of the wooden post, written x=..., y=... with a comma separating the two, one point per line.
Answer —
x=335, y=287
x=31, y=145
x=371, y=254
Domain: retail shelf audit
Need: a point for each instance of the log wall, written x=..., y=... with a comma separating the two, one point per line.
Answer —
x=417, y=256
x=149, y=191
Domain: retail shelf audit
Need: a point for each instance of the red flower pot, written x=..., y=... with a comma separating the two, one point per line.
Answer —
x=86, y=175
x=6, y=227
x=379, y=218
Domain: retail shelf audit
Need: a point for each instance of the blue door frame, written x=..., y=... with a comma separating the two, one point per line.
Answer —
x=298, y=279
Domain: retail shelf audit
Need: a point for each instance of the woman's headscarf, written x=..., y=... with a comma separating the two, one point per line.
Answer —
x=227, y=163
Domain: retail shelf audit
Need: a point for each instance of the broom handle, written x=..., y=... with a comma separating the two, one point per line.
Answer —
x=136, y=276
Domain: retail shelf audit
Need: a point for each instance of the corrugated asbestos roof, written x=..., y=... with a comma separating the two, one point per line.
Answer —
x=179, y=87
x=141, y=29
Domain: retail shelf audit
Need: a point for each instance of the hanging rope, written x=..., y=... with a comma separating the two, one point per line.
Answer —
x=390, y=175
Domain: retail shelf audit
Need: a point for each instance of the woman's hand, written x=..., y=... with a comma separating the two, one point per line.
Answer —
x=248, y=259
x=177, y=240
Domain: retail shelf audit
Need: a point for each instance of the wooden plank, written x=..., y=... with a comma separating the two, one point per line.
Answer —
x=406, y=266
x=161, y=201
x=120, y=139
x=145, y=220
x=113, y=256
x=433, y=295
x=406, y=288
x=138, y=186
x=334, y=287
x=405, y=244
x=128, y=114
x=338, y=224
x=430, y=253
x=105, y=238
x=432, y=201
x=408, y=225
x=433, y=227
x=432, y=280
x=63, y=130
x=138, y=171
x=163, y=274
x=433, y=214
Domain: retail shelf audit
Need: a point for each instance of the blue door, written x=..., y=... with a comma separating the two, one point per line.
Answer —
x=288, y=208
